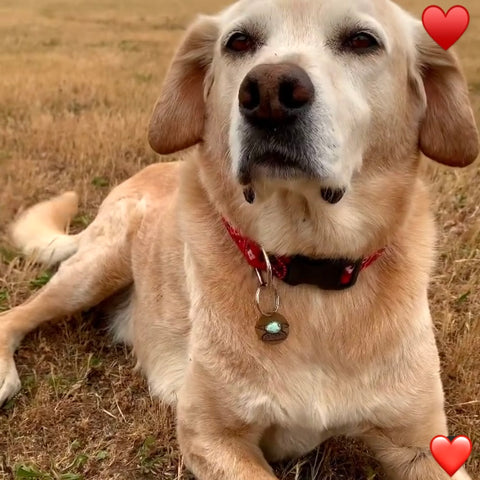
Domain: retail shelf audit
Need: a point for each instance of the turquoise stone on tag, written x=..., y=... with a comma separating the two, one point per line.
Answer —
x=272, y=329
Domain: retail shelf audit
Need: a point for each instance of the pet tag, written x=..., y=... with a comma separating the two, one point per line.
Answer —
x=272, y=329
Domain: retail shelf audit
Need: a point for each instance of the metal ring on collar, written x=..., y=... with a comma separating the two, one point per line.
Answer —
x=269, y=268
x=276, y=300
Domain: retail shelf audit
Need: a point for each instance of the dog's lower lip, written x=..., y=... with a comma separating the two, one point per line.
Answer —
x=272, y=165
x=277, y=160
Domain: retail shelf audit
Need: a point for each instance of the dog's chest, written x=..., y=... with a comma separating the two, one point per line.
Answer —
x=309, y=397
x=343, y=363
x=319, y=389
x=312, y=380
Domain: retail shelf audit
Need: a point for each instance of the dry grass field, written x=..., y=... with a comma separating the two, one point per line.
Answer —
x=77, y=83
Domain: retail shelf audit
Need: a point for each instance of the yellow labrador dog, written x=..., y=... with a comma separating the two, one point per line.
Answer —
x=309, y=117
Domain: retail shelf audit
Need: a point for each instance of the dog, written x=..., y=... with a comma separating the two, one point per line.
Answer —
x=274, y=282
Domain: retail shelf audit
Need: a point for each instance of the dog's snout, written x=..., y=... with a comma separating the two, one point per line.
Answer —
x=272, y=94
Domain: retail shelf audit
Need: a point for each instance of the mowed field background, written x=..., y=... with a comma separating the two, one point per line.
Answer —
x=78, y=81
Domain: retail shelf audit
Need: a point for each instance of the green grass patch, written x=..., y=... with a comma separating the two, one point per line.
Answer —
x=7, y=255
x=150, y=457
x=61, y=385
x=4, y=300
x=463, y=298
x=81, y=221
x=8, y=405
x=31, y=472
x=41, y=280
x=101, y=455
x=143, y=77
x=78, y=463
x=129, y=46
x=100, y=182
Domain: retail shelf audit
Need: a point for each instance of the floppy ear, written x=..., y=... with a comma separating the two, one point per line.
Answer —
x=177, y=120
x=448, y=131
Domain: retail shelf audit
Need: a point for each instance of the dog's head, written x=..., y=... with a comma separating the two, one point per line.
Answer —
x=290, y=91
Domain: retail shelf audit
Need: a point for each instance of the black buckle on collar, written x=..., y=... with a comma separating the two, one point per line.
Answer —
x=325, y=273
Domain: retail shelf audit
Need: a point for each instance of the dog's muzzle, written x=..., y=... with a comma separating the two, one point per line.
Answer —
x=274, y=102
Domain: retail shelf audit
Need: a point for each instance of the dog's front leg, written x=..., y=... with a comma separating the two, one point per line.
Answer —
x=215, y=443
x=404, y=451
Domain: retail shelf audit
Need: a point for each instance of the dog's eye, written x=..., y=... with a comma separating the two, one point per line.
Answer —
x=240, y=42
x=361, y=42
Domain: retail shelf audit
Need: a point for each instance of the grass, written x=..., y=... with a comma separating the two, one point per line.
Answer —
x=78, y=84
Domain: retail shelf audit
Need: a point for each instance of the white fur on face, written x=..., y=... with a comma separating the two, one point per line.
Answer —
x=350, y=89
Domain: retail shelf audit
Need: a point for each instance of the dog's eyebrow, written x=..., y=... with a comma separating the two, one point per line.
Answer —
x=375, y=27
x=365, y=23
x=254, y=28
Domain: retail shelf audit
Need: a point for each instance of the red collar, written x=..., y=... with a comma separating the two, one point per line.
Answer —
x=325, y=273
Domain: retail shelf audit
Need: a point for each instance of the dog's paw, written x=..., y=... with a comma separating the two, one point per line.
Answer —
x=9, y=379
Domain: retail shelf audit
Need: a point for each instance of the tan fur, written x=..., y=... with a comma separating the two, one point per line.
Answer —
x=178, y=115
x=41, y=229
x=361, y=362
x=449, y=113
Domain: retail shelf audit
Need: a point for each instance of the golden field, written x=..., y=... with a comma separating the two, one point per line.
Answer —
x=78, y=81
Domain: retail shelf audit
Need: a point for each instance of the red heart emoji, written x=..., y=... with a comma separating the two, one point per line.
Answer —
x=451, y=455
x=445, y=28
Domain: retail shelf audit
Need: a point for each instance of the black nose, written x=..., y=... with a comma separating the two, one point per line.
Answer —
x=275, y=94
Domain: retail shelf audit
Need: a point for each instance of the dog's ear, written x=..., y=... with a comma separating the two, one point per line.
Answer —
x=177, y=120
x=448, y=133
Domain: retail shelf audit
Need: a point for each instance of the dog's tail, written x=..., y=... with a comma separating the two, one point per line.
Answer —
x=40, y=231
